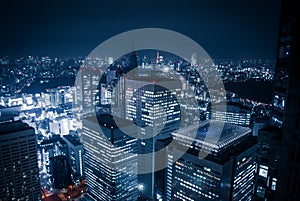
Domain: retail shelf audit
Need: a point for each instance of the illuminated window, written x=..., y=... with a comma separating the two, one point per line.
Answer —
x=260, y=191
x=273, y=186
x=263, y=171
x=279, y=101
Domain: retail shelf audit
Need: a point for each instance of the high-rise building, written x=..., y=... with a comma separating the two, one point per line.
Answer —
x=118, y=98
x=87, y=89
x=110, y=158
x=278, y=148
x=156, y=112
x=18, y=163
x=226, y=173
x=231, y=113
x=48, y=149
x=75, y=156
x=61, y=171
x=52, y=147
x=133, y=63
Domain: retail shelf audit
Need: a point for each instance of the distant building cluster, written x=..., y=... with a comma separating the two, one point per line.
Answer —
x=69, y=146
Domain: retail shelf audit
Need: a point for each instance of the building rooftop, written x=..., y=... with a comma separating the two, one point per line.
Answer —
x=109, y=121
x=72, y=140
x=232, y=107
x=237, y=149
x=11, y=127
x=53, y=139
x=209, y=135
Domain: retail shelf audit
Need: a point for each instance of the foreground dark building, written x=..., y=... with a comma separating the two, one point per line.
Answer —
x=61, y=171
x=19, y=173
x=277, y=173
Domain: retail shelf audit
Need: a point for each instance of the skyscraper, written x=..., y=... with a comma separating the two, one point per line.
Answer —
x=52, y=147
x=118, y=98
x=288, y=58
x=75, y=156
x=279, y=155
x=133, y=63
x=110, y=159
x=87, y=89
x=61, y=171
x=155, y=110
x=226, y=173
x=231, y=113
x=18, y=163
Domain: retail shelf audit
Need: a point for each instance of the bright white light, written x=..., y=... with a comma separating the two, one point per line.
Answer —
x=140, y=187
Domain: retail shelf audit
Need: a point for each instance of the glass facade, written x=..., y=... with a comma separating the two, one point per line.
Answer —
x=242, y=119
x=156, y=112
x=87, y=89
x=244, y=176
x=193, y=181
x=18, y=169
x=75, y=149
x=234, y=114
x=225, y=174
x=110, y=160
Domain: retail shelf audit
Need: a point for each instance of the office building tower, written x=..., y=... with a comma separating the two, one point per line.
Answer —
x=277, y=175
x=118, y=98
x=47, y=150
x=87, y=89
x=226, y=173
x=52, y=147
x=156, y=112
x=75, y=156
x=133, y=63
x=110, y=158
x=61, y=172
x=18, y=163
x=231, y=113
x=285, y=71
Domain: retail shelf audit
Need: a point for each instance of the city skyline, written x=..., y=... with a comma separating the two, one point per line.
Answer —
x=51, y=115
x=179, y=112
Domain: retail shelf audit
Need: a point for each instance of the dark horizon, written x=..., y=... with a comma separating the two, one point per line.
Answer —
x=226, y=30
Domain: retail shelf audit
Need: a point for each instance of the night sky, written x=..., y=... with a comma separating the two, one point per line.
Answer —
x=232, y=29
